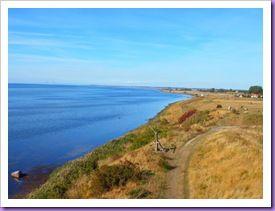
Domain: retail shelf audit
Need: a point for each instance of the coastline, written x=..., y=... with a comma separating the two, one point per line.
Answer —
x=135, y=151
x=39, y=176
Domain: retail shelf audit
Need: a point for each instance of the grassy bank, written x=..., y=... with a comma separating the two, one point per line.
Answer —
x=129, y=167
x=61, y=182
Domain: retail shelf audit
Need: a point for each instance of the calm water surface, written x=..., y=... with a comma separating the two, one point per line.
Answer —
x=51, y=124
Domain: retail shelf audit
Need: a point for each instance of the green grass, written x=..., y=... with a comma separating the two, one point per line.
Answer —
x=142, y=139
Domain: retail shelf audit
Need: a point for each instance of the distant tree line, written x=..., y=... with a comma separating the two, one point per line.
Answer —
x=252, y=90
x=221, y=90
x=256, y=90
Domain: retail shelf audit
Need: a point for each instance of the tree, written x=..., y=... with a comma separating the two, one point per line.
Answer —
x=256, y=90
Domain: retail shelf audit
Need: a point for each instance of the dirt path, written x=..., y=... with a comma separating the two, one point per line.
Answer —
x=177, y=180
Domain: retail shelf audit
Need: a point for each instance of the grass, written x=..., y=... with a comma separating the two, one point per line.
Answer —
x=139, y=193
x=253, y=119
x=106, y=178
x=227, y=164
x=142, y=139
x=199, y=117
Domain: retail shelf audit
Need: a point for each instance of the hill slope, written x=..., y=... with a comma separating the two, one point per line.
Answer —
x=218, y=155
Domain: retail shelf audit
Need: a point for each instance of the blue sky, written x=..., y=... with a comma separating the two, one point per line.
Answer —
x=219, y=48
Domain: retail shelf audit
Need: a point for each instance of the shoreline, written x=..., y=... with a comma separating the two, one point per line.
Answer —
x=40, y=177
x=211, y=124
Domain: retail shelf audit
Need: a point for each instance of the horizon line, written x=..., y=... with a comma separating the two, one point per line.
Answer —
x=148, y=86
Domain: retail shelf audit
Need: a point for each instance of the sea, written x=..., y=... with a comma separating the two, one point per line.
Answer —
x=49, y=125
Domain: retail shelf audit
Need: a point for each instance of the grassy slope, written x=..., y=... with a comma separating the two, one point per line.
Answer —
x=143, y=172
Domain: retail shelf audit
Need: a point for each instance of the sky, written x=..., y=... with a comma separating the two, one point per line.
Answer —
x=195, y=48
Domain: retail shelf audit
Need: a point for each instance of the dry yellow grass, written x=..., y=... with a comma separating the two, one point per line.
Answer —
x=227, y=164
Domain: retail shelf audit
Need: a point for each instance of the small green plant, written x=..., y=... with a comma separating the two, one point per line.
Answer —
x=142, y=139
x=164, y=164
x=164, y=121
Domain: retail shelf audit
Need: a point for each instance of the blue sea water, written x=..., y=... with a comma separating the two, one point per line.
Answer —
x=52, y=124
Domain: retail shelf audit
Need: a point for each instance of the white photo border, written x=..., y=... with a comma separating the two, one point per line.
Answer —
x=265, y=202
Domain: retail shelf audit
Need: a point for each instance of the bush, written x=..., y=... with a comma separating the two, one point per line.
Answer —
x=219, y=106
x=199, y=117
x=164, y=121
x=235, y=111
x=186, y=115
x=88, y=165
x=256, y=90
x=108, y=177
x=163, y=163
x=142, y=139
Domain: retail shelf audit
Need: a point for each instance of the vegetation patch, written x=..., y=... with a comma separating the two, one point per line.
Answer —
x=235, y=111
x=119, y=175
x=139, y=193
x=164, y=164
x=106, y=178
x=142, y=139
x=186, y=115
x=227, y=164
x=199, y=117
x=253, y=119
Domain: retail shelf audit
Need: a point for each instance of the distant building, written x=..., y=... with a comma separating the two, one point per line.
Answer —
x=240, y=95
x=255, y=95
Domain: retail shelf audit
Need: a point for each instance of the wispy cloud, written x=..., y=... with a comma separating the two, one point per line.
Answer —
x=49, y=41
x=22, y=33
x=32, y=58
x=158, y=46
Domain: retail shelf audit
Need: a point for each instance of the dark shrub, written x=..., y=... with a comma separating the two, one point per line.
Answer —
x=256, y=90
x=163, y=163
x=235, y=111
x=119, y=175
